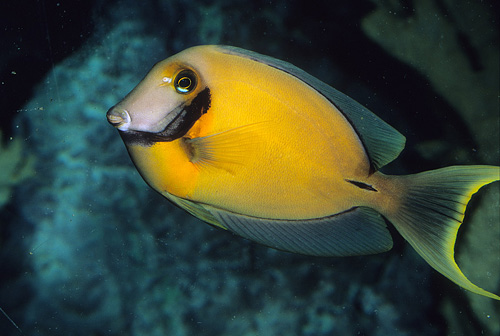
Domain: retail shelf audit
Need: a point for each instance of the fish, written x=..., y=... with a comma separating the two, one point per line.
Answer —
x=258, y=147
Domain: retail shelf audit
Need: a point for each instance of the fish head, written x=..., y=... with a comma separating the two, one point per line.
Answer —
x=165, y=104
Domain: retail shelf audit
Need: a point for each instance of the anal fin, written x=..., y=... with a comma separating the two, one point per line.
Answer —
x=358, y=231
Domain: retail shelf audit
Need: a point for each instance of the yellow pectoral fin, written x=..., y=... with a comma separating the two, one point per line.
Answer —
x=228, y=150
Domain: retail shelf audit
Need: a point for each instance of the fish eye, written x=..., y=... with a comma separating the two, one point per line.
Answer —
x=185, y=81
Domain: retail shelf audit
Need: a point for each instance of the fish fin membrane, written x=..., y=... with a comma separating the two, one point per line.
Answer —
x=433, y=210
x=381, y=141
x=358, y=231
x=194, y=209
x=227, y=150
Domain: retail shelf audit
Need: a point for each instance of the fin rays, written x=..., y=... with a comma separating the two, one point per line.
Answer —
x=431, y=215
x=227, y=149
x=354, y=232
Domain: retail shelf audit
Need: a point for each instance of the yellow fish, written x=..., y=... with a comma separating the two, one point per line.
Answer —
x=259, y=147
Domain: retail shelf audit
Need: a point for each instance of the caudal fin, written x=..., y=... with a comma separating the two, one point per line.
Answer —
x=432, y=210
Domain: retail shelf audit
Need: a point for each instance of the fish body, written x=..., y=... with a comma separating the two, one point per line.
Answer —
x=259, y=147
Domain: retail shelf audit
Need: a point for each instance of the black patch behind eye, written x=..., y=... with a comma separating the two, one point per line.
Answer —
x=184, y=118
x=362, y=185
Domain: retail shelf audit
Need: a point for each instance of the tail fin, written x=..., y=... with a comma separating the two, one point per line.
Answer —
x=432, y=210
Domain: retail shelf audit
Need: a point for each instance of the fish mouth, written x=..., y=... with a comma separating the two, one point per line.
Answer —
x=178, y=123
x=118, y=118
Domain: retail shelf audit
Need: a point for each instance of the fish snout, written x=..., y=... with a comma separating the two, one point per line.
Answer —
x=119, y=118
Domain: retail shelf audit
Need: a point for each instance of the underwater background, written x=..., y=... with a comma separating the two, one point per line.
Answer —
x=87, y=248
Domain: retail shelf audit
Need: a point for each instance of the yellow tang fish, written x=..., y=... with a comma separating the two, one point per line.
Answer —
x=259, y=147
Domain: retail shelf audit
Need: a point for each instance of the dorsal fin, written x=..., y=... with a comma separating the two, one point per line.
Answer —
x=381, y=141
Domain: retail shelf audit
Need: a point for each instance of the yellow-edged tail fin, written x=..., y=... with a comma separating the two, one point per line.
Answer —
x=432, y=209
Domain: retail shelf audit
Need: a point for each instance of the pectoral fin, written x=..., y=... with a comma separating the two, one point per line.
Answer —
x=229, y=149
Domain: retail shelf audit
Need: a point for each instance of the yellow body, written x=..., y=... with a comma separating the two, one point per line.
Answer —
x=274, y=149
x=257, y=146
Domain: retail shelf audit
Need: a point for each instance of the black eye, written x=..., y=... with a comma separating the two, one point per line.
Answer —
x=185, y=81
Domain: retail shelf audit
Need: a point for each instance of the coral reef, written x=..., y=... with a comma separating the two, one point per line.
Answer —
x=16, y=166
x=437, y=38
